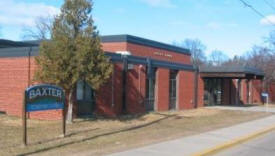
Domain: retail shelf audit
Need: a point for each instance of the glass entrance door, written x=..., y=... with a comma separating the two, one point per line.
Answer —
x=212, y=92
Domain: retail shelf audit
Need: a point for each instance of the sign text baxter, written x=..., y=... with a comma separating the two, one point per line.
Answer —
x=45, y=91
x=44, y=97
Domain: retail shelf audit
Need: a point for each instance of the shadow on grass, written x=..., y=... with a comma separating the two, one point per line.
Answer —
x=241, y=105
x=122, y=118
x=104, y=134
x=61, y=137
x=53, y=138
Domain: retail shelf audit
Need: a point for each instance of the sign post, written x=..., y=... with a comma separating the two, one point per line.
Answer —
x=266, y=105
x=24, y=116
x=41, y=98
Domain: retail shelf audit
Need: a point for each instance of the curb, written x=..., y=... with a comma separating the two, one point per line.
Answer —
x=234, y=142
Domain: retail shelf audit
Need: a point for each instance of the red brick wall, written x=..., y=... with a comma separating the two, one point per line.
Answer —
x=162, y=92
x=244, y=91
x=113, y=47
x=108, y=103
x=256, y=91
x=186, y=90
x=135, y=90
x=13, y=82
x=226, y=92
x=271, y=91
x=162, y=89
x=233, y=91
x=139, y=50
x=200, y=92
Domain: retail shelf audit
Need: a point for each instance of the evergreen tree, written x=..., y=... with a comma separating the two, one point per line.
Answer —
x=74, y=52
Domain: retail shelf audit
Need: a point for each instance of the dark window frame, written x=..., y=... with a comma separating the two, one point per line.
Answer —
x=173, y=88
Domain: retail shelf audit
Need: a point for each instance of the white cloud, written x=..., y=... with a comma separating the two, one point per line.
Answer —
x=13, y=13
x=159, y=3
x=268, y=20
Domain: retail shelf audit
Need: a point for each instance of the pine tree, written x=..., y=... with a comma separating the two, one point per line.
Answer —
x=74, y=52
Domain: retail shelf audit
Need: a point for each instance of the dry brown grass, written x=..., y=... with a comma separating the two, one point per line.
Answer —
x=101, y=136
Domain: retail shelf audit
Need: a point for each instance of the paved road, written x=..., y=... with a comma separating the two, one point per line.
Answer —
x=261, y=146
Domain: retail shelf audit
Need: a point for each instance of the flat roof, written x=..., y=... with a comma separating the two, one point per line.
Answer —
x=8, y=43
x=106, y=39
x=144, y=42
x=231, y=72
x=34, y=51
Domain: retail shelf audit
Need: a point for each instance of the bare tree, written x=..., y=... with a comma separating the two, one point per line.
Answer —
x=264, y=59
x=236, y=61
x=217, y=58
x=41, y=30
x=270, y=40
x=197, y=49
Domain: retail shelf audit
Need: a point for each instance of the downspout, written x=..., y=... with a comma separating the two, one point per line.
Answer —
x=29, y=73
x=29, y=66
x=124, y=82
x=113, y=79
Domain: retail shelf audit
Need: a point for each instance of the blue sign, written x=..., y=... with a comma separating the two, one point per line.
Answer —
x=44, y=97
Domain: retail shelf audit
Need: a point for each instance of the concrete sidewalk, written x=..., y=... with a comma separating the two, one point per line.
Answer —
x=250, y=108
x=193, y=144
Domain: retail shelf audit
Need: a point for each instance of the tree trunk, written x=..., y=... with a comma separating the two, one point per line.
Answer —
x=70, y=107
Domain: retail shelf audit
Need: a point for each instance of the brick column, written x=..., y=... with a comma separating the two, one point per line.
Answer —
x=246, y=92
x=226, y=95
x=200, y=92
x=162, y=90
x=185, y=90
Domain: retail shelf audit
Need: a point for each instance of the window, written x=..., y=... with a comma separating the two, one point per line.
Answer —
x=150, y=90
x=80, y=90
x=173, y=89
x=83, y=91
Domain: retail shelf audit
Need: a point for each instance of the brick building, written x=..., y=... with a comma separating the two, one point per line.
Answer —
x=147, y=76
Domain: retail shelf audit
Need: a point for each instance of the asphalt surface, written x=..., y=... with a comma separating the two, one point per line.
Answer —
x=260, y=146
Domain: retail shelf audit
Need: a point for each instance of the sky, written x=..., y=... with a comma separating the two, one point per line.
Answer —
x=225, y=25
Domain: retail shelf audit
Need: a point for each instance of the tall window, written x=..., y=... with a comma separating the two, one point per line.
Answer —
x=173, y=89
x=84, y=91
x=150, y=90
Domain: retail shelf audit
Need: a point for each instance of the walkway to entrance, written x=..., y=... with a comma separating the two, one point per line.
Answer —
x=249, y=108
x=231, y=85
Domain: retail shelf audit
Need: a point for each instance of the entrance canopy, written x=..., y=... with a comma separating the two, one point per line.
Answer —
x=233, y=72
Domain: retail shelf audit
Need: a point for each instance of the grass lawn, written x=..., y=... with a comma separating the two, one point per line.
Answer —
x=102, y=136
